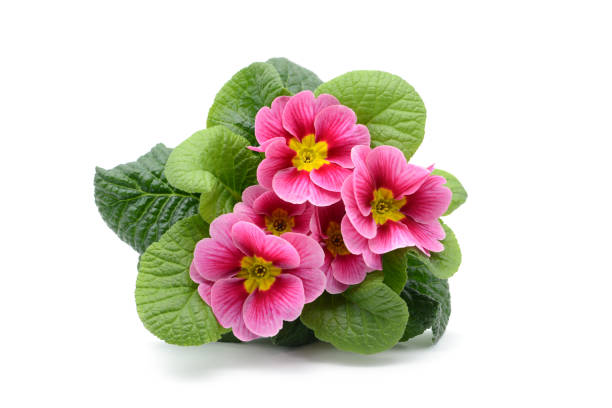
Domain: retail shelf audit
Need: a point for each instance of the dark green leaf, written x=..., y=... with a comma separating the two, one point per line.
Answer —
x=294, y=334
x=136, y=201
x=394, y=269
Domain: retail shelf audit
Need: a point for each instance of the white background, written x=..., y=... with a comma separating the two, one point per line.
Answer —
x=519, y=108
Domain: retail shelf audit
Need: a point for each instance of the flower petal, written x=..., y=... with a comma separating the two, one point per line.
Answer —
x=215, y=261
x=324, y=215
x=330, y=176
x=251, y=240
x=336, y=125
x=390, y=236
x=354, y=241
x=349, y=269
x=302, y=221
x=299, y=114
x=227, y=300
x=242, y=333
x=426, y=237
x=292, y=185
x=269, y=121
x=313, y=281
x=251, y=193
x=365, y=225
x=264, y=311
x=221, y=228
x=323, y=101
x=311, y=254
x=204, y=286
x=430, y=201
x=269, y=201
x=278, y=157
x=371, y=259
x=341, y=154
x=389, y=169
x=295, y=186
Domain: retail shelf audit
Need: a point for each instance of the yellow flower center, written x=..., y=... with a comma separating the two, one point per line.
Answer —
x=334, y=242
x=385, y=207
x=308, y=154
x=279, y=222
x=257, y=273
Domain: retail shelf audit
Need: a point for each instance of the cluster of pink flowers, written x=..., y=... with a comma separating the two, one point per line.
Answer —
x=326, y=208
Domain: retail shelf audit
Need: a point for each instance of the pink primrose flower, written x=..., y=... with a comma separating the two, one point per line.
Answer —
x=307, y=143
x=341, y=267
x=266, y=210
x=253, y=281
x=392, y=204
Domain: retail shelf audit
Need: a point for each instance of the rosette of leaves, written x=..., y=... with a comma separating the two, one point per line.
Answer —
x=162, y=204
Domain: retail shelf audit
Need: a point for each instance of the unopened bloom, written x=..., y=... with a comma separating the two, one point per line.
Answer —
x=266, y=210
x=342, y=268
x=392, y=204
x=307, y=142
x=253, y=281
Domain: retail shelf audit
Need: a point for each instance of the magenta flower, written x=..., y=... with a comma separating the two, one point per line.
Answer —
x=392, y=204
x=307, y=142
x=253, y=281
x=275, y=216
x=341, y=267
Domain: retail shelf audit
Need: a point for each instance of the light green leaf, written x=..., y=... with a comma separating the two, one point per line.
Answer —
x=394, y=269
x=136, y=201
x=237, y=103
x=431, y=306
x=295, y=78
x=459, y=193
x=216, y=163
x=442, y=264
x=294, y=334
x=167, y=299
x=366, y=319
x=390, y=108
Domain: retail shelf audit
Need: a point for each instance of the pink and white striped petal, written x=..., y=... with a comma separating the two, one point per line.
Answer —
x=252, y=241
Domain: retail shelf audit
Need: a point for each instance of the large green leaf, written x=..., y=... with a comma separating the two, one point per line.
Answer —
x=428, y=300
x=390, y=108
x=167, y=299
x=459, y=193
x=295, y=77
x=294, y=334
x=394, y=269
x=366, y=319
x=136, y=201
x=237, y=103
x=443, y=264
x=216, y=163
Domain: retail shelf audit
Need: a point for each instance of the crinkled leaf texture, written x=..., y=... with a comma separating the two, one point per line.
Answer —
x=216, y=163
x=367, y=318
x=238, y=101
x=390, y=108
x=294, y=334
x=167, y=299
x=443, y=264
x=428, y=300
x=136, y=201
x=459, y=193
x=394, y=269
x=295, y=77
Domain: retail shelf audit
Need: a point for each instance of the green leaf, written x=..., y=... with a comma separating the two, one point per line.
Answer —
x=136, y=201
x=443, y=264
x=167, y=299
x=216, y=163
x=432, y=306
x=295, y=77
x=366, y=319
x=229, y=338
x=394, y=269
x=459, y=193
x=237, y=103
x=390, y=108
x=294, y=334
